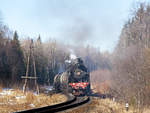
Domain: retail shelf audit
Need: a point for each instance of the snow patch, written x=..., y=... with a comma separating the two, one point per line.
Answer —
x=20, y=97
x=6, y=92
x=49, y=88
x=35, y=93
x=2, y=103
x=11, y=103
x=32, y=105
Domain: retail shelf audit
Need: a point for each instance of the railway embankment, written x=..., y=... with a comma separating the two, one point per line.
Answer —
x=98, y=105
x=12, y=100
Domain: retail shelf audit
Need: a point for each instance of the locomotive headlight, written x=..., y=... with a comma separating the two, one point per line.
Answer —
x=78, y=73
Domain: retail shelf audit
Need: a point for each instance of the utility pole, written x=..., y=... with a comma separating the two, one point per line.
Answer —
x=30, y=55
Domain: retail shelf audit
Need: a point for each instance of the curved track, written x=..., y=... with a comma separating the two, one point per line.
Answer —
x=71, y=103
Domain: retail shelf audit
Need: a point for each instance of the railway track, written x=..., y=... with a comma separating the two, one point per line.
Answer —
x=72, y=102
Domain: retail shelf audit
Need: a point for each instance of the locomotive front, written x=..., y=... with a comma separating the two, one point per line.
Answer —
x=78, y=80
x=74, y=80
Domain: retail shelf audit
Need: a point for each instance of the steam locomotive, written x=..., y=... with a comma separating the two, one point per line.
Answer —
x=75, y=79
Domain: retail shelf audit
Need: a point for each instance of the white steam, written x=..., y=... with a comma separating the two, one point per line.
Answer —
x=73, y=56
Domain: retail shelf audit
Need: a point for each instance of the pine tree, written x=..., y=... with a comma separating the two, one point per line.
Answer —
x=39, y=40
x=16, y=59
x=15, y=37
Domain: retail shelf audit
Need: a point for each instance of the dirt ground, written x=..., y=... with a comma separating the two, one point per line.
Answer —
x=98, y=105
x=15, y=100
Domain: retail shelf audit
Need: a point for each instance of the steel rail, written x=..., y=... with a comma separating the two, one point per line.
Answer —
x=70, y=99
x=72, y=102
x=79, y=101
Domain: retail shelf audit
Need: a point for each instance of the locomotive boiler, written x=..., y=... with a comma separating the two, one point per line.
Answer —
x=75, y=79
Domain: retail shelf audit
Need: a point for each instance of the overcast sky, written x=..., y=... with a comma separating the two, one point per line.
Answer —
x=94, y=22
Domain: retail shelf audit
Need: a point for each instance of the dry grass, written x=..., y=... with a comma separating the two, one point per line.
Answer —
x=15, y=100
x=105, y=106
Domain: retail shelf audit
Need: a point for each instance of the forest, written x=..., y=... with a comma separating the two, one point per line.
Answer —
x=123, y=73
x=49, y=57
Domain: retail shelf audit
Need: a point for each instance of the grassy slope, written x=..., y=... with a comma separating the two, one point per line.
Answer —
x=105, y=106
x=15, y=100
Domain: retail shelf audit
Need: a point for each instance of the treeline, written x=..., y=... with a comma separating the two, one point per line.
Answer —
x=49, y=58
x=131, y=60
x=128, y=76
x=11, y=57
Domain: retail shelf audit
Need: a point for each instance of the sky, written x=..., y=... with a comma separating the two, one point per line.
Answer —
x=94, y=22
